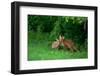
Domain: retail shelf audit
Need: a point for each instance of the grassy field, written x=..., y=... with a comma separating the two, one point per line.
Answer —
x=40, y=49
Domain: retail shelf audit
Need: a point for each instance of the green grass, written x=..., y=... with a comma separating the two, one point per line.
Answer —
x=41, y=50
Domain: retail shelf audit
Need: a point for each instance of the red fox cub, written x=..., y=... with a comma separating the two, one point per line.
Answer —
x=65, y=43
x=56, y=44
x=68, y=44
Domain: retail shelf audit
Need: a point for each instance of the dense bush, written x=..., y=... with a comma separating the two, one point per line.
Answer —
x=71, y=27
x=43, y=30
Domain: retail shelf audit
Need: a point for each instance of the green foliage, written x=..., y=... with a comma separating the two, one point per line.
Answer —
x=56, y=30
x=41, y=50
x=69, y=26
x=43, y=30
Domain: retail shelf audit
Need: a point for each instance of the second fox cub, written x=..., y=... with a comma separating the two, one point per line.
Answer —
x=68, y=44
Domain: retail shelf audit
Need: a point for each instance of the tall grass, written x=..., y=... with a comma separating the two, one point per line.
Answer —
x=39, y=48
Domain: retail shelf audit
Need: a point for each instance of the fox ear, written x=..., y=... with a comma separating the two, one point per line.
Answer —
x=60, y=37
x=63, y=37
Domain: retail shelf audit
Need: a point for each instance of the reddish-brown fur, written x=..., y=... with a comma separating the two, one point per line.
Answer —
x=64, y=42
x=68, y=44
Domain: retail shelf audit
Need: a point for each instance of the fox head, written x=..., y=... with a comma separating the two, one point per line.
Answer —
x=61, y=38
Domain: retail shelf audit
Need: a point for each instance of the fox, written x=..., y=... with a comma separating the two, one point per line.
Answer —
x=67, y=43
x=57, y=43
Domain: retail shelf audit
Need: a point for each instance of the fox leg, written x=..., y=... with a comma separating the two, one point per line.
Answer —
x=71, y=49
x=75, y=49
